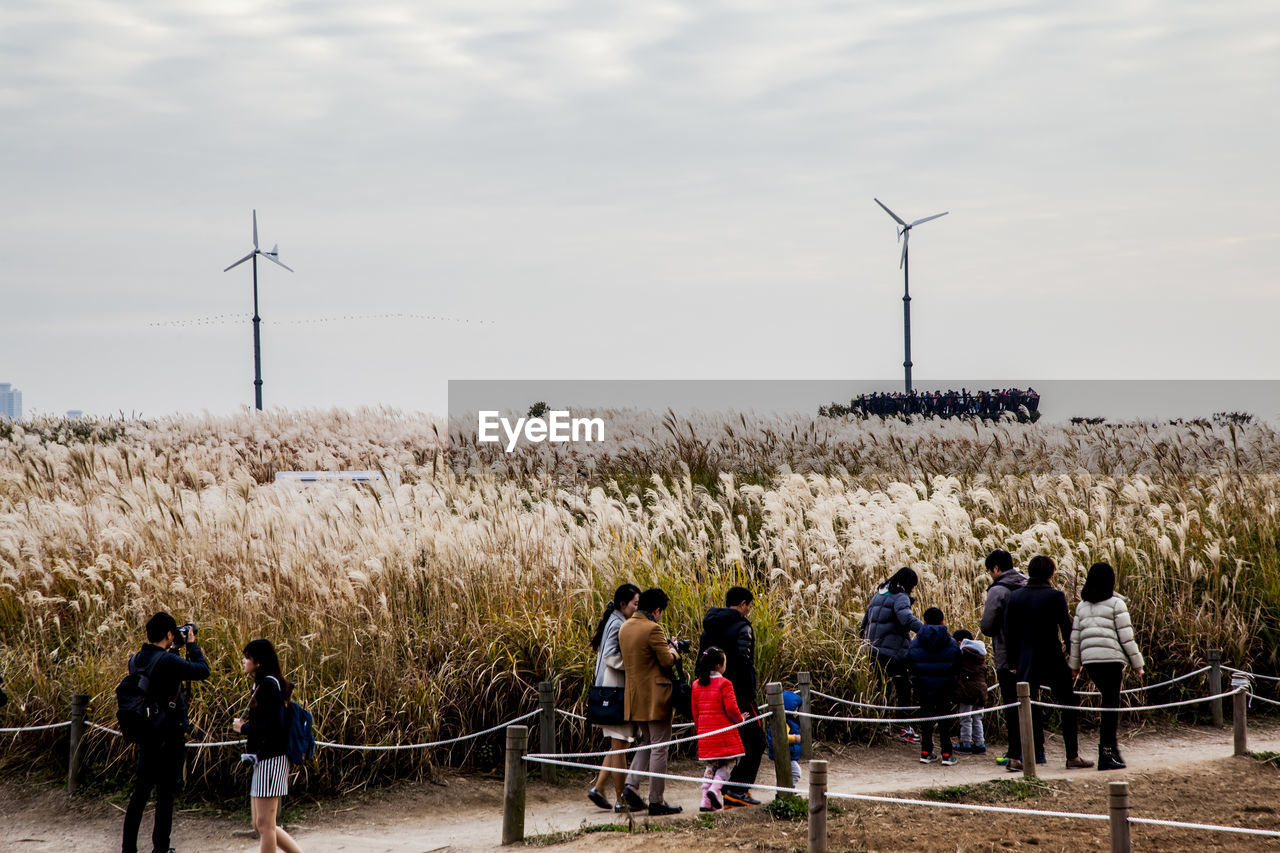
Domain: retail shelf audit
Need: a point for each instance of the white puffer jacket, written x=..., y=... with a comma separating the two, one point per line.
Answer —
x=1103, y=633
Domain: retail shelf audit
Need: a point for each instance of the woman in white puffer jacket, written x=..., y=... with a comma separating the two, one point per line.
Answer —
x=1102, y=639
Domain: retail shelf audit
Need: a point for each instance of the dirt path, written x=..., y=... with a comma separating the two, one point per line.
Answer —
x=465, y=814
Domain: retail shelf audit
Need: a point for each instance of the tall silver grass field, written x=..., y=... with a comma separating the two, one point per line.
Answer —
x=434, y=609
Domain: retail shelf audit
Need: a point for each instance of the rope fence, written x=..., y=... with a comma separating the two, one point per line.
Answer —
x=17, y=729
x=647, y=746
x=868, y=704
x=1209, y=698
x=1251, y=674
x=873, y=720
x=398, y=747
x=1118, y=817
x=1240, y=694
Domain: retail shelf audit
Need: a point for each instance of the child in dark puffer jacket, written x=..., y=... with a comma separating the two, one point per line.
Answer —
x=934, y=658
x=971, y=692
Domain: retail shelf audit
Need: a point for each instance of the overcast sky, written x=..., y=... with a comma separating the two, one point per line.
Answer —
x=641, y=190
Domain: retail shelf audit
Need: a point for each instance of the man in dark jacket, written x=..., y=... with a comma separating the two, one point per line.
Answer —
x=1037, y=625
x=1004, y=580
x=933, y=657
x=159, y=763
x=729, y=628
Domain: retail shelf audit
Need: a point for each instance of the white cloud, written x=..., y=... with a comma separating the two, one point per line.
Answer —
x=604, y=172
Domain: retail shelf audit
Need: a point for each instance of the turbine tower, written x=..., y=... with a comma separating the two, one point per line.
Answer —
x=904, y=236
x=272, y=256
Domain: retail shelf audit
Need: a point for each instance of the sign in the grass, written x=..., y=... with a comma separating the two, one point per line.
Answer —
x=359, y=478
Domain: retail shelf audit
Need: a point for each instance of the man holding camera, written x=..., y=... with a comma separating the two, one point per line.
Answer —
x=160, y=755
x=729, y=628
x=647, y=658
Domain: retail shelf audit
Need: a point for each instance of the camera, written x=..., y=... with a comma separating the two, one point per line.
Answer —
x=185, y=634
x=682, y=646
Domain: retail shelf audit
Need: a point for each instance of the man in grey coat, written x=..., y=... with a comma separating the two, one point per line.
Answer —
x=1004, y=580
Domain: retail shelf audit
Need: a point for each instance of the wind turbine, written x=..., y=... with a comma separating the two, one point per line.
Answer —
x=904, y=235
x=274, y=257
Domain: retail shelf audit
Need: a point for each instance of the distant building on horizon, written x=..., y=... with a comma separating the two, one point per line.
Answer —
x=10, y=402
x=75, y=413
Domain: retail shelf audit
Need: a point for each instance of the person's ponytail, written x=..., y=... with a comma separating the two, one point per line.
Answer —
x=711, y=657
x=621, y=597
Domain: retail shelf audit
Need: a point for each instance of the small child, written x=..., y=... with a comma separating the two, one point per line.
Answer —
x=971, y=692
x=715, y=707
x=933, y=656
x=790, y=704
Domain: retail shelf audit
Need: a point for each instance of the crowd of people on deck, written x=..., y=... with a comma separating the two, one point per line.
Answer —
x=1024, y=404
x=1032, y=634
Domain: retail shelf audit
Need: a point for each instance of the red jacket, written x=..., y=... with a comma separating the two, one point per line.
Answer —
x=715, y=707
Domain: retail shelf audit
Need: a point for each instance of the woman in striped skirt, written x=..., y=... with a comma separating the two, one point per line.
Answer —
x=268, y=739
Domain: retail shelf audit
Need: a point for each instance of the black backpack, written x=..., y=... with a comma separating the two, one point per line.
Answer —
x=140, y=714
x=300, y=740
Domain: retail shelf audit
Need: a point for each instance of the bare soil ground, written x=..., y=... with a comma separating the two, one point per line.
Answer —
x=1185, y=774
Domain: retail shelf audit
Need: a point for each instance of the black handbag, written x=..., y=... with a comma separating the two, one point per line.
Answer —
x=606, y=706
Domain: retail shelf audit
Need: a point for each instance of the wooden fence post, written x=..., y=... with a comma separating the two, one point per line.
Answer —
x=547, y=727
x=803, y=686
x=1026, y=730
x=513, y=787
x=79, y=712
x=1239, y=718
x=817, y=807
x=1119, y=820
x=1215, y=685
x=778, y=728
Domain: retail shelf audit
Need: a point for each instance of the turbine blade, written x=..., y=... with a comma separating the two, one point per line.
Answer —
x=907, y=238
x=927, y=218
x=896, y=217
x=271, y=256
x=239, y=262
x=255, y=230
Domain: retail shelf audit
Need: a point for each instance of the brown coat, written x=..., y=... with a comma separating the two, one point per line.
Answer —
x=647, y=659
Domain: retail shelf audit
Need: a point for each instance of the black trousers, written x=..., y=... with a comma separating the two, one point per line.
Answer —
x=1107, y=678
x=1009, y=693
x=160, y=767
x=894, y=674
x=936, y=707
x=744, y=772
x=1060, y=684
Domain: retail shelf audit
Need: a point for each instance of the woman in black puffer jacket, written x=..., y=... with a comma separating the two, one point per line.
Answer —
x=887, y=627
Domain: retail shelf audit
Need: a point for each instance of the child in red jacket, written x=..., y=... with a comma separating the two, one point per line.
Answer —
x=715, y=708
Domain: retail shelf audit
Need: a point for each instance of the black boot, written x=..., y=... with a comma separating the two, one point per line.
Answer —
x=1109, y=759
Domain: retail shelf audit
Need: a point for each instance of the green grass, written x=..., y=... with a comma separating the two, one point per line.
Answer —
x=788, y=807
x=1272, y=758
